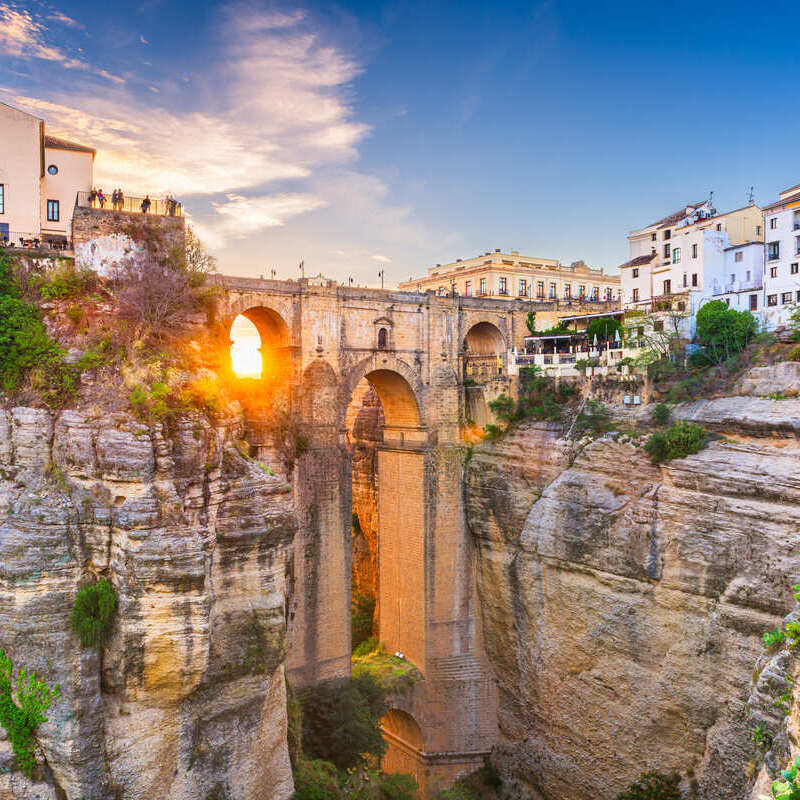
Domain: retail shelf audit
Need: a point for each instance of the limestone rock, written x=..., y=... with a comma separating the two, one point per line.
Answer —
x=623, y=603
x=188, y=697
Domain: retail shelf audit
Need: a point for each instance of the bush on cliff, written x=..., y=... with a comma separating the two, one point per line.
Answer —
x=653, y=786
x=678, y=441
x=92, y=611
x=20, y=719
x=362, y=613
x=341, y=721
x=724, y=331
x=27, y=353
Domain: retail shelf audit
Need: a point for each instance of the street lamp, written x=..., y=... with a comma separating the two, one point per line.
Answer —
x=380, y=275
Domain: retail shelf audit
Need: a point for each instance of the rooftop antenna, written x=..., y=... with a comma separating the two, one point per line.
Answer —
x=750, y=200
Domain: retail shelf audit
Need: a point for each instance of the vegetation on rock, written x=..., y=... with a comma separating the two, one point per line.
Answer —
x=362, y=613
x=392, y=673
x=678, y=441
x=20, y=719
x=660, y=413
x=92, y=611
x=653, y=786
x=723, y=331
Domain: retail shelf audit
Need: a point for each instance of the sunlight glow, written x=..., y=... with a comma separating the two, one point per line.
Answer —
x=245, y=354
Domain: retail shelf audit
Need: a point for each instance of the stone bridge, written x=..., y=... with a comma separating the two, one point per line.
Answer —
x=427, y=360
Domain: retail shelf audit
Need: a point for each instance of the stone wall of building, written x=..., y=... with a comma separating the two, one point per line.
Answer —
x=102, y=238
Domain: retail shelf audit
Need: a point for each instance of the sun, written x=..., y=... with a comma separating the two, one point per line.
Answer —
x=245, y=353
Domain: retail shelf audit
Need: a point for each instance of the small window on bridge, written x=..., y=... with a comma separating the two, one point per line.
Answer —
x=383, y=339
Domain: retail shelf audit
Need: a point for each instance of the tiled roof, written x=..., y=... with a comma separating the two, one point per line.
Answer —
x=638, y=261
x=63, y=144
x=674, y=219
x=792, y=198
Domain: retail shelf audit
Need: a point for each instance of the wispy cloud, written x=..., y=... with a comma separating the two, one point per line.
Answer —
x=24, y=36
x=243, y=215
x=382, y=259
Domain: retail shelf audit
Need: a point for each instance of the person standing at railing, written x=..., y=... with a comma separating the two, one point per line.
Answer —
x=114, y=199
x=92, y=196
x=146, y=204
x=101, y=198
x=121, y=199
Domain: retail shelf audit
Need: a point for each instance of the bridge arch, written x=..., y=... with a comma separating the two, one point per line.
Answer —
x=483, y=339
x=406, y=744
x=274, y=338
x=397, y=385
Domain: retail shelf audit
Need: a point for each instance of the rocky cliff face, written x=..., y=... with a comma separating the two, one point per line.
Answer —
x=187, y=701
x=623, y=603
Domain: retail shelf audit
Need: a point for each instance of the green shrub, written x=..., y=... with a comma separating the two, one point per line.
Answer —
x=794, y=354
x=700, y=359
x=362, y=615
x=679, y=441
x=20, y=721
x=787, y=788
x=64, y=280
x=761, y=737
x=660, y=413
x=772, y=638
x=491, y=432
x=724, y=331
x=340, y=721
x=366, y=647
x=503, y=407
x=26, y=350
x=92, y=611
x=603, y=328
x=653, y=786
x=316, y=780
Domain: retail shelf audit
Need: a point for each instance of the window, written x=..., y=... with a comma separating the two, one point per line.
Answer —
x=719, y=226
x=748, y=275
x=676, y=255
x=652, y=237
x=685, y=279
x=754, y=302
x=53, y=169
x=694, y=251
x=540, y=288
x=786, y=297
x=793, y=268
x=773, y=272
x=503, y=286
x=482, y=286
x=772, y=299
x=773, y=251
x=2, y=198
x=52, y=210
x=581, y=291
x=694, y=279
x=681, y=305
x=668, y=287
x=523, y=287
x=441, y=291
x=468, y=288
x=635, y=272
x=383, y=339
x=595, y=293
x=567, y=291
x=666, y=251
x=733, y=277
x=773, y=223
x=553, y=294
x=738, y=255
x=797, y=296
x=728, y=302
x=608, y=295
x=758, y=230
x=667, y=234
x=635, y=295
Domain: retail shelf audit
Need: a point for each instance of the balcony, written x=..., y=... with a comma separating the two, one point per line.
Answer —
x=17, y=240
x=130, y=205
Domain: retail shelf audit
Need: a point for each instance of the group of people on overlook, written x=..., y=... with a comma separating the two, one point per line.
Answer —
x=97, y=199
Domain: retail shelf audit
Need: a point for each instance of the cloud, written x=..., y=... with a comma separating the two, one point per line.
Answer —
x=59, y=16
x=243, y=215
x=23, y=36
x=381, y=259
x=143, y=40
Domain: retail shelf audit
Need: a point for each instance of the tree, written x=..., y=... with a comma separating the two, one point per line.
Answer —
x=724, y=331
x=530, y=322
x=661, y=335
x=603, y=328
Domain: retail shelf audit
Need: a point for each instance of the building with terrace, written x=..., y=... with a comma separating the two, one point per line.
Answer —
x=781, y=270
x=40, y=177
x=510, y=276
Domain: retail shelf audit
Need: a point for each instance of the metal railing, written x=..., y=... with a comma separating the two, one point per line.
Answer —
x=130, y=204
x=18, y=240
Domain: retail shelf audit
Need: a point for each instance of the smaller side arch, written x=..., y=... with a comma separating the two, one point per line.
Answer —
x=483, y=339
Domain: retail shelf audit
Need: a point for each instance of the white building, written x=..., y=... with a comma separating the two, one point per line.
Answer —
x=738, y=278
x=682, y=259
x=782, y=257
x=40, y=177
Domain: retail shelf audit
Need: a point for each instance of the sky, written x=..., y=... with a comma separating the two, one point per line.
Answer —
x=361, y=137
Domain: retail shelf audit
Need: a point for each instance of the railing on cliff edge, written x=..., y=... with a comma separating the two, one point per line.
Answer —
x=130, y=204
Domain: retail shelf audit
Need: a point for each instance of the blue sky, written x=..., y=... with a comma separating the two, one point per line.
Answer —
x=363, y=136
